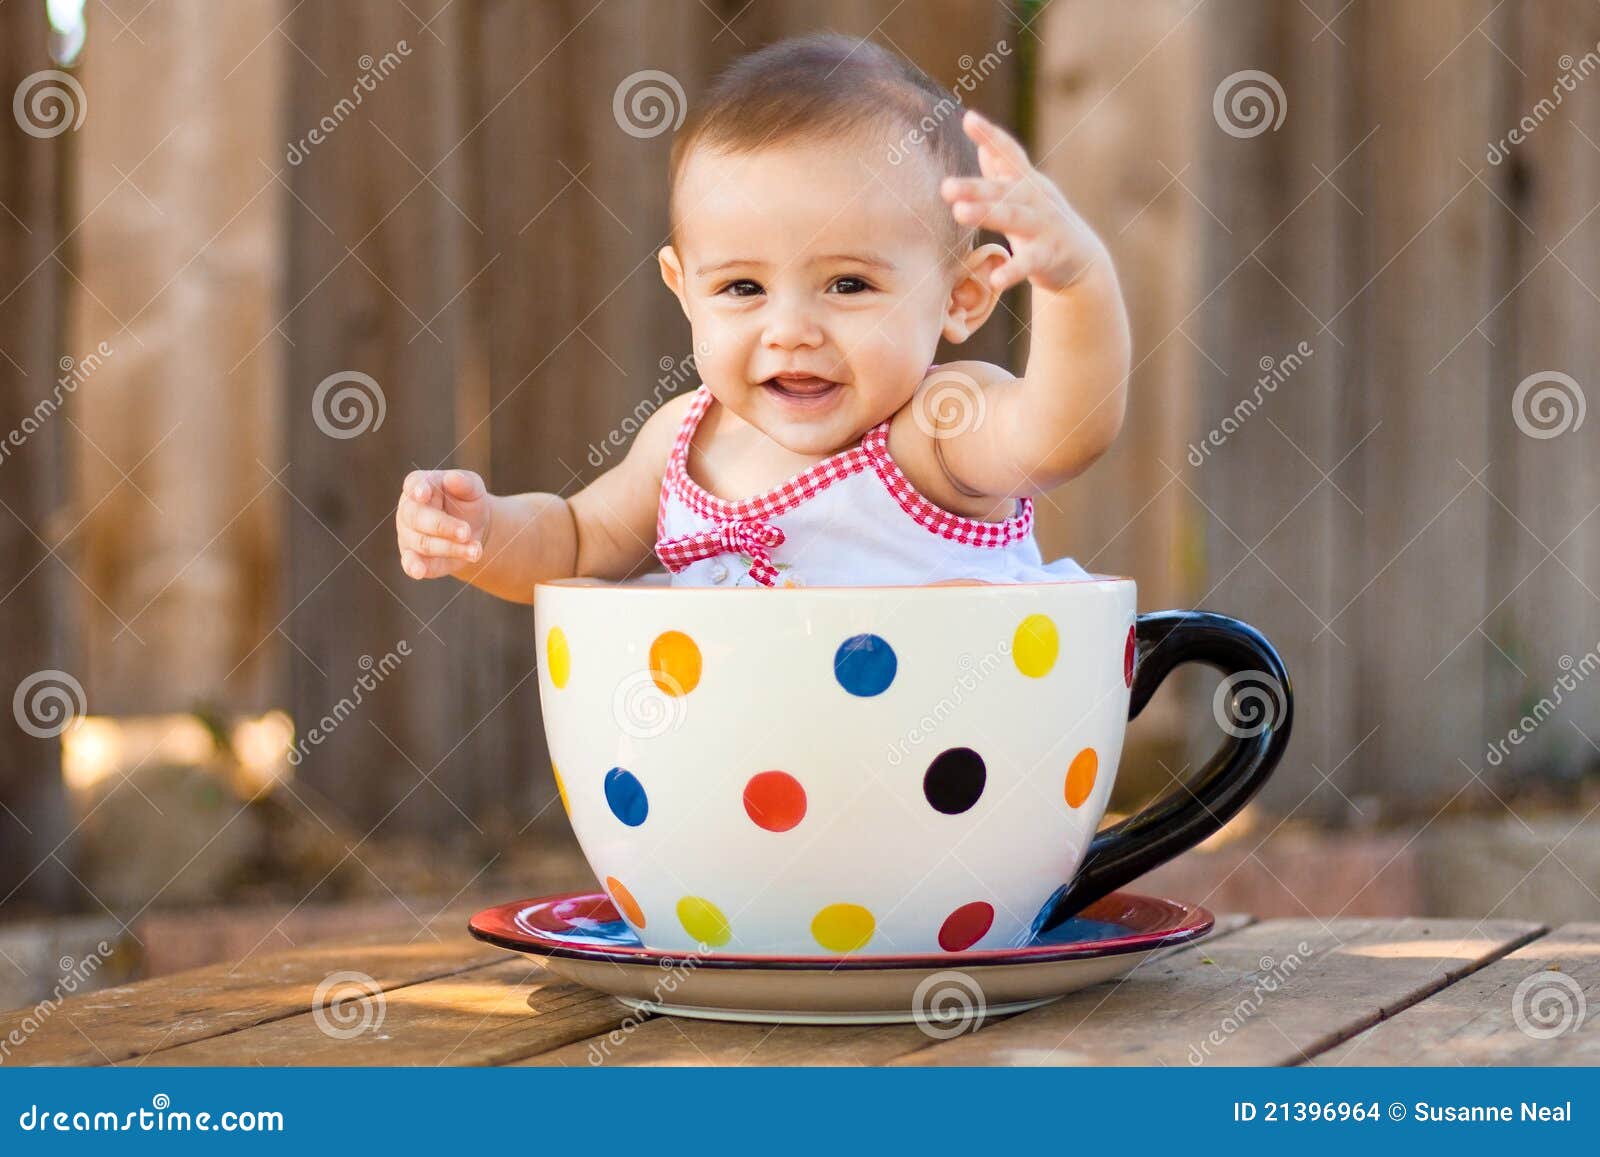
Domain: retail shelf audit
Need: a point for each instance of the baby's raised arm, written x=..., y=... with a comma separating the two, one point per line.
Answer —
x=447, y=523
x=1026, y=435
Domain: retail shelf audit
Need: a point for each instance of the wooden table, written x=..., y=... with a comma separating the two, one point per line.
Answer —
x=1347, y=992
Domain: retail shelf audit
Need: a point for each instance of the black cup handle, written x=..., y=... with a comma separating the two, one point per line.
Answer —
x=1259, y=705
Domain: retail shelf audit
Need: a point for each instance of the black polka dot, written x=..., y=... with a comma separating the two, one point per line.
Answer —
x=955, y=780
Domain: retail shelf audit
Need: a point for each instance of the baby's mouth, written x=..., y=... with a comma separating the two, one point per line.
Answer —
x=802, y=390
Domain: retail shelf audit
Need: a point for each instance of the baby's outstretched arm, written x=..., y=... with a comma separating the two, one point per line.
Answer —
x=447, y=523
x=1051, y=424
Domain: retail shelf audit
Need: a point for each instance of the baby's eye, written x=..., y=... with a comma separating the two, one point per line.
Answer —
x=850, y=285
x=743, y=288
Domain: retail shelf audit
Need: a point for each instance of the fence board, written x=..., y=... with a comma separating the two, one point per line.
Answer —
x=1274, y=412
x=34, y=614
x=1549, y=485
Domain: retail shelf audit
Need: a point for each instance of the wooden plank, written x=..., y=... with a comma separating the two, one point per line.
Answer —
x=35, y=613
x=485, y=1016
x=1271, y=994
x=1549, y=621
x=684, y=1040
x=1276, y=404
x=1430, y=272
x=177, y=267
x=1476, y=1020
x=133, y=1020
x=373, y=264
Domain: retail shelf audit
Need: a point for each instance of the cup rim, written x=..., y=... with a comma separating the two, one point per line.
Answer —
x=594, y=584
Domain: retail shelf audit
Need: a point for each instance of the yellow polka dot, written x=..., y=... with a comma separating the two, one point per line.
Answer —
x=704, y=921
x=625, y=902
x=1035, y=646
x=675, y=663
x=558, y=656
x=1080, y=776
x=843, y=927
x=561, y=788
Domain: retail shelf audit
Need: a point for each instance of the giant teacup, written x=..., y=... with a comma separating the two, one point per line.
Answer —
x=878, y=770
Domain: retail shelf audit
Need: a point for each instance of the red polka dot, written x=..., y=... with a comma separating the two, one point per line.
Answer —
x=1127, y=660
x=966, y=926
x=775, y=800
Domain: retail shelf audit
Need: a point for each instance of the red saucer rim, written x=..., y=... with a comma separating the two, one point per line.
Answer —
x=1169, y=923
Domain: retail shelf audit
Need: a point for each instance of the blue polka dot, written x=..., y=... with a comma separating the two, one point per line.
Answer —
x=626, y=796
x=864, y=665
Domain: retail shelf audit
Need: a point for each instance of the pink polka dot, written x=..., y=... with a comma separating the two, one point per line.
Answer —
x=966, y=926
x=1127, y=660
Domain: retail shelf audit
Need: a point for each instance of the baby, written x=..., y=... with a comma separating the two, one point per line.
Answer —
x=825, y=202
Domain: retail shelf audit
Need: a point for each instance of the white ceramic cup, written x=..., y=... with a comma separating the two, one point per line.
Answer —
x=876, y=770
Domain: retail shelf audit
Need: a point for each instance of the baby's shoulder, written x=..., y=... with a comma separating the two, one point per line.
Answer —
x=952, y=400
x=660, y=429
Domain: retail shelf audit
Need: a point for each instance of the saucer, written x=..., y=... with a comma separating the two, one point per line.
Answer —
x=581, y=936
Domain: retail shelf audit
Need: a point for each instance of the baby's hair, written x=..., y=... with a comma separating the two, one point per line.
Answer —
x=825, y=86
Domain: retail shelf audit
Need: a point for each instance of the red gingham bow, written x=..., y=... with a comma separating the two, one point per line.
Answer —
x=747, y=535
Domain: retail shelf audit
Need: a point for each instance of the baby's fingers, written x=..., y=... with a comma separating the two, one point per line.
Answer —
x=1008, y=216
x=430, y=546
x=418, y=567
x=432, y=520
x=1003, y=148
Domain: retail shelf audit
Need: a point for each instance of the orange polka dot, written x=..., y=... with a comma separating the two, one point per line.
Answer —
x=1080, y=776
x=625, y=902
x=675, y=663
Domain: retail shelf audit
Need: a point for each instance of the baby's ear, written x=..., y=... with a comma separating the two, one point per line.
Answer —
x=972, y=298
x=672, y=274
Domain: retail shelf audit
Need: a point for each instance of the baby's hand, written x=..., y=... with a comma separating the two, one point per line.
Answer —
x=441, y=522
x=1050, y=243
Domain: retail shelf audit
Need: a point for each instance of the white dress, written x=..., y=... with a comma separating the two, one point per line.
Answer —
x=852, y=519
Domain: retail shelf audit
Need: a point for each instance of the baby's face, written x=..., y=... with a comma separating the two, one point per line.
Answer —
x=817, y=282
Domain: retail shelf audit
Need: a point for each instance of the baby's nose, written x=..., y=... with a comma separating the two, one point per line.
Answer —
x=791, y=326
